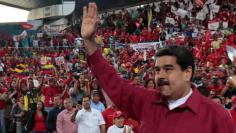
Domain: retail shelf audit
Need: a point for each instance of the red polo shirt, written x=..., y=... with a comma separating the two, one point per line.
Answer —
x=233, y=114
x=108, y=116
x=49, y=92
x=198, y=115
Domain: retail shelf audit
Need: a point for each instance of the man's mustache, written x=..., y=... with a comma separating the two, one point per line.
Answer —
x=162, y=82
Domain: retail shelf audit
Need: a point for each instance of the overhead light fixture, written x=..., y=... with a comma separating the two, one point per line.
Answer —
x=10, y=14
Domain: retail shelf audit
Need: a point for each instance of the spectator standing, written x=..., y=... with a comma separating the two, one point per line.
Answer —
x=37, y=120
x=3, y=98
x=64, y=124
x=95, y=102
x=31, y=97
x=49, y=92
x=76, y=92
x=119, y=126
x=89, y=120
x=52, y=116
x=18, y=115
x=108, y=115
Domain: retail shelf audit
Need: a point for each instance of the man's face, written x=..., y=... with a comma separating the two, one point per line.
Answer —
x=86, y=103
x=136, y=80
x=30, y=82
x=94, y=84
x=173, y=83
x=96, y=98
x=68, y=104
x=81, y=79
x=57, y=100
x=217, y=100
x=204, y=81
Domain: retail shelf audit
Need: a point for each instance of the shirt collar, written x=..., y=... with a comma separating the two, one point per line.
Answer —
x=176, y=103
x=67, y=111
x=192, y=103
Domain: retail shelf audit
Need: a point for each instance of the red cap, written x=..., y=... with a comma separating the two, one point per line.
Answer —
x=4, y=89
x=233, y=99
x=117, y=114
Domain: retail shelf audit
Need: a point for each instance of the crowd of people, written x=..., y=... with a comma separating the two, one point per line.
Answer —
x=46, y=85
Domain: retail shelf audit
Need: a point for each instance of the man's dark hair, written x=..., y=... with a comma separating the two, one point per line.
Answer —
x=218, y=97
x=87, y=96
x=184, y=57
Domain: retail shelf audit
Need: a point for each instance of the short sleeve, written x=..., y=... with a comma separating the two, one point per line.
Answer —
x=101, y=119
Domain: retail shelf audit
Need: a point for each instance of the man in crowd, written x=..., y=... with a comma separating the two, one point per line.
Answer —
x=52, y=116
x=49, y=91
x=177, y=106
x=89, y=120
x=64, y=124
x=108, y=114
x=3, y=98
x=31, y=96
x=95, y=102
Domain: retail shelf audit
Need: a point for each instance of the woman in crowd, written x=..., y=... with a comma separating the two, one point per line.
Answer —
x=150, y=83
x=37, y=120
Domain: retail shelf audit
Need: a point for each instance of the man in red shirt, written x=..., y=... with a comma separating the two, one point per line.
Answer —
x=49, y=92
x=176, y=106
x=108, y=117
x=233, y=108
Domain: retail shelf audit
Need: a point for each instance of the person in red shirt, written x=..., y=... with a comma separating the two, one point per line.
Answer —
x=37, y=120
x=217, y=85
x=233, y=108
x=176, y=106
x=49, y=93
x=70, y=39
x=108, y=115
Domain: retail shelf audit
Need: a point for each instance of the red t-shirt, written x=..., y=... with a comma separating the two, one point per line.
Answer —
x=108, y=116
x=40, y=125
x=133, y=124
x=69, y=39
x=49, y=93
x=233, y=114
x=217, y=89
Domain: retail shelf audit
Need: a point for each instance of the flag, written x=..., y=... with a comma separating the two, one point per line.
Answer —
x=149, y=19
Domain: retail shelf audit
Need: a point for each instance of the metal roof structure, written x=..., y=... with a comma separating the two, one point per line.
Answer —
x=102, y=4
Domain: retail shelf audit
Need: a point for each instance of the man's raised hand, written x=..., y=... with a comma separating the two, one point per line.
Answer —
x=89, y=27
x=90, y=20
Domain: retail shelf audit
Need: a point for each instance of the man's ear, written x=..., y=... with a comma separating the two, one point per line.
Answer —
x=188, y=73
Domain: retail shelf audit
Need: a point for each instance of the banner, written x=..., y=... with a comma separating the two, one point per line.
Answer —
x=170, y=21
x=144, y=46
x=213, y=25
x=182, y=13
x=44, y=60
x=215, y=8
x=60, y=60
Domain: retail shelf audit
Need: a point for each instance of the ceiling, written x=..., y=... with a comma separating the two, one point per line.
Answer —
x=30, y=4
x=108, y=4
x=102, y=4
